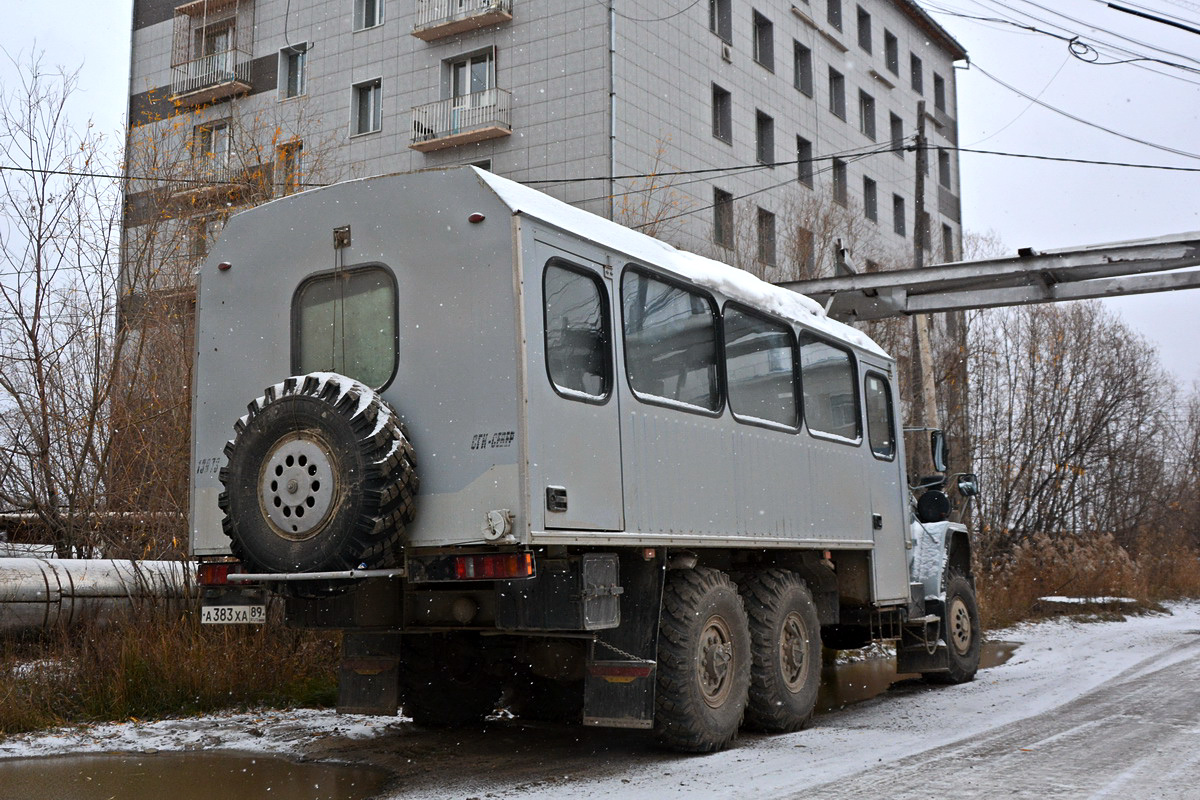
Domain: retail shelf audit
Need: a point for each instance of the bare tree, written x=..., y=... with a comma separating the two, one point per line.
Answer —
x=58, y=288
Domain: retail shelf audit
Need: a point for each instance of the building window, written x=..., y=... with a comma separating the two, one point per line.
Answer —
x=804, y=161
x=870, y=199
x=864, y=29
x=838, y=172
x=803, y=69
x=866, y=114
x=939, y=92
x=837, y=93
x=578, y=359
x=766, y=237
x=764, y=138
x=368, y=107
x=720, y=19
x=470, y=77
x=891, y=52
x=947, y=243
x=898, y=224
x=833, y=13
x=896, y=126
x=806, y=252
x=210, y=150
x=671, y=342
x=367, y=14
x=917, y=74
x=722, y=218
x=764, y=41
x=293, y=71
x=722, y=114
x=289, y=167
x=944, y=168
x=759, y=366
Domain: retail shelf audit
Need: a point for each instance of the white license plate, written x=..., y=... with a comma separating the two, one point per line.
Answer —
x=233, y=615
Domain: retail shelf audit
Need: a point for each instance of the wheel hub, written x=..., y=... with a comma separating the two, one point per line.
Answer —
x=713, y=665
x=793, y=647
x=960, y=626
x=296, y=487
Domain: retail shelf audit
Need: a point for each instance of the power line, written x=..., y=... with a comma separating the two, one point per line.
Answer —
x=683, y=10
x=1083, y=121
x=1155, y=18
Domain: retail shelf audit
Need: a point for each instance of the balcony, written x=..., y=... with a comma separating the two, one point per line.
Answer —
x=437, y=19
x=475, y=117
x=210, y=78
x=212, y=182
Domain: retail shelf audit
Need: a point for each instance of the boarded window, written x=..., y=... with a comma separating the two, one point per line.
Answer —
x=881, y=431
x=830, y=399
x=346, y=323
x=759, y=358
x=577, y=334
x=670, y=341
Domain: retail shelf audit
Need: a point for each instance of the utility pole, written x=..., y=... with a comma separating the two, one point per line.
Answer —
x=921, y=372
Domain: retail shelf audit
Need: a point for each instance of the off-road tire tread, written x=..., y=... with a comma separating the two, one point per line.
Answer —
x=961, y=670
x=765, y=597
x=679, y=723
x=390, y=481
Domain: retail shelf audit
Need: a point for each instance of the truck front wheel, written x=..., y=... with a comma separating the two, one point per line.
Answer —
x=786, y=646
x=961, y=631
x=703, y=661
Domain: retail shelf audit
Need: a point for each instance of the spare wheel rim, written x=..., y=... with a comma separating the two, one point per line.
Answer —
x=296, y=487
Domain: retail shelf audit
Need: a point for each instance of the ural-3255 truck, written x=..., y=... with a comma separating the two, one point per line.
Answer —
x=512, y=449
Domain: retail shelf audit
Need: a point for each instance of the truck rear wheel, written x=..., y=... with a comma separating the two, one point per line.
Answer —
x=961, y=631
x=319, y=476
x=786, y=646
x=703, y=661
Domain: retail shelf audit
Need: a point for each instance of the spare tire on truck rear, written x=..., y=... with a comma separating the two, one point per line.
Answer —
x=320, y=476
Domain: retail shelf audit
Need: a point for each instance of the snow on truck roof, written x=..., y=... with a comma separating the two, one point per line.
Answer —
x=733, y=283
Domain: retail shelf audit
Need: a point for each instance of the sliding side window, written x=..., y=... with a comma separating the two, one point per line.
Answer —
x=670, y=342
x=759, y=368
x=345, y=322
x=578, y=358
x=830, y=399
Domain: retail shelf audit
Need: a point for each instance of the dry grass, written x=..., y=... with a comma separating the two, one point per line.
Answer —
x=157, y=663
x=1078, y=566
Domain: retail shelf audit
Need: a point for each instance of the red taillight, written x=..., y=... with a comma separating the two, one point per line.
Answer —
x=216, y=574
x=493, y=567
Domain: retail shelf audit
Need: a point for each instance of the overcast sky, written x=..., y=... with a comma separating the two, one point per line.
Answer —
x=1025, y=203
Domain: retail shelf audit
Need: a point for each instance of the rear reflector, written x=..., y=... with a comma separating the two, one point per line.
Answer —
x=493, y=567
x=216, y=574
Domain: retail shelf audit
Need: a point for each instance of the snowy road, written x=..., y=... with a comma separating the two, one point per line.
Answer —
x=1094, y=710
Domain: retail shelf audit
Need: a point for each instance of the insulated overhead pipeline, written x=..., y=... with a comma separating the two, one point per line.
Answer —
x=39, y=593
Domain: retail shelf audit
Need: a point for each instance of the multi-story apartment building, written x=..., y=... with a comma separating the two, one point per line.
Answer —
x=786, y=121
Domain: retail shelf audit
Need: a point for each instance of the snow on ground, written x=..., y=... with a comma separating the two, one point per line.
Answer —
x=1058, y=661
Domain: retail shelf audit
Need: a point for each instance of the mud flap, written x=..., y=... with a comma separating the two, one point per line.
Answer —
x=369, y=675
x=921, y=649
x=621, y=668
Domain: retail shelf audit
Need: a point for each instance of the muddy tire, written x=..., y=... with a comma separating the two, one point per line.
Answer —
x=319, y=476
x=443, y=680
x=703, y=662
x=961, y=631
x=785, y=641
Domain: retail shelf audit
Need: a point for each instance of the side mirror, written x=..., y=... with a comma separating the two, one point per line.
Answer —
x=968, y=484
x=939, y=450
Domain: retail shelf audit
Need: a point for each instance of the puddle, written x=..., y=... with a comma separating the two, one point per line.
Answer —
x=845, y=684
x=183, y=776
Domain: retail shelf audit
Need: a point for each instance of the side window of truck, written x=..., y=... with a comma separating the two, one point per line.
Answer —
x=670, y=342
x=345, y=322
x=827, y=376
x=760, y=375
x=578, y=356
x=881, y=431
